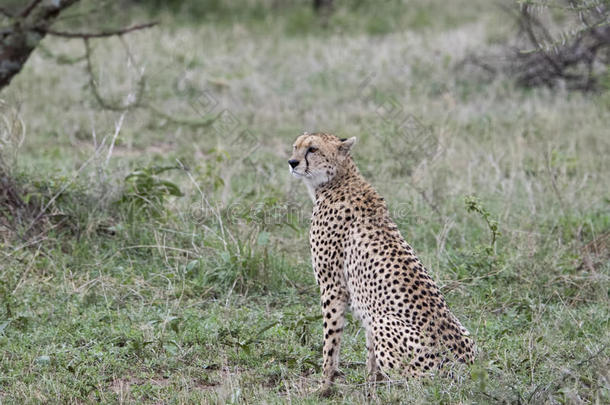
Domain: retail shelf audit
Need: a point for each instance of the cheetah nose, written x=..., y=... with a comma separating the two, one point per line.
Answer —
x=293, y=163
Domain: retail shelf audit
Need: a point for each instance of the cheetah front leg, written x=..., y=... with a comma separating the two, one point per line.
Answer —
x=334, y=305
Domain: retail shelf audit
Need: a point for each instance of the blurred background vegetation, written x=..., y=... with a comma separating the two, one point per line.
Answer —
x=153, y=247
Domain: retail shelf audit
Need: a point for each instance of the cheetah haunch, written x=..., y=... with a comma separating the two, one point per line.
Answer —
x=360, y=258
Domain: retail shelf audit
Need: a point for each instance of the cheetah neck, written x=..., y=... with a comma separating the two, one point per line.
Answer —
x=346, y=176
x=311, y=190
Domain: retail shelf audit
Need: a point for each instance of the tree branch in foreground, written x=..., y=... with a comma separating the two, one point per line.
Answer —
x=17, y=41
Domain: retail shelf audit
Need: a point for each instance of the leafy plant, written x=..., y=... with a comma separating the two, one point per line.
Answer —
x=301, y=326
x=233, y=337
x=474, y=205
x=480, y=259
x=146, y=192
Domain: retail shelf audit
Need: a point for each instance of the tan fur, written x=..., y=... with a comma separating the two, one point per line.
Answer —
x=361, y=260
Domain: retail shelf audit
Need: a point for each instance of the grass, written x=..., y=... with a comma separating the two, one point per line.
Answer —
x=207, y=295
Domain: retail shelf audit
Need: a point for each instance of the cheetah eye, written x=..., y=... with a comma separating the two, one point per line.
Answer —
x=312, y=149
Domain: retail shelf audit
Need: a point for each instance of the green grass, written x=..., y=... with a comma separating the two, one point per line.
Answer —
x=209, y=296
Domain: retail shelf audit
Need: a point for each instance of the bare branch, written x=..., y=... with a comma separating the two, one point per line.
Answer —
x=137, y=100
x=103, y=34
x=94, y=89
x=28, y=9
x=577, y=56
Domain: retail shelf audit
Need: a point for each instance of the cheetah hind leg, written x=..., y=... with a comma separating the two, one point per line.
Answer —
x=374, y=374
x=400, y=349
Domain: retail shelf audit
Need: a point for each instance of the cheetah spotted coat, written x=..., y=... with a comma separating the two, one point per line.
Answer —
x=361, y=260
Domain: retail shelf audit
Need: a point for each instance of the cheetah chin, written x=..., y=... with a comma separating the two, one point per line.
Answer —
x=361, y=260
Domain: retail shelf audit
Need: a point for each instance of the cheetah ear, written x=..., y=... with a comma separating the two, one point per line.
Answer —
x=346, y=145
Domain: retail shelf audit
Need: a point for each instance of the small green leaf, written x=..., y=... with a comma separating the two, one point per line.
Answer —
x=172, y=188
x=191, y=265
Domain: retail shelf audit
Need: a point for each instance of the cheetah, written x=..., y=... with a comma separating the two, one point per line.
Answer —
x=361, y=260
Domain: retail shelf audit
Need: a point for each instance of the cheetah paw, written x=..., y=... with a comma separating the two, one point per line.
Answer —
x=325, y=391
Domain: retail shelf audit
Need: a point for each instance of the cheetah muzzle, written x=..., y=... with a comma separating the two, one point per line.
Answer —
x=359, y=258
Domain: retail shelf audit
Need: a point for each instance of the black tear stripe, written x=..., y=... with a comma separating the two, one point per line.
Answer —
x=306, y=161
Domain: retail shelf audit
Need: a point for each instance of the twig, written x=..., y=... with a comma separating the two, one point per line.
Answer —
x=117, y=129
x=28, y=9
x=98, y=97
x=103, y=34
x=136, y=101
x=526, y=24
x=60, y=59
x=158, y=247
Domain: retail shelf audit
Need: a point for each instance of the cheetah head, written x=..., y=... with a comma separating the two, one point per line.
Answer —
x=317, y=158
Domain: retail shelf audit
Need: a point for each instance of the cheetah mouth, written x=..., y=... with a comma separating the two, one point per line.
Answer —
x=299, y=174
